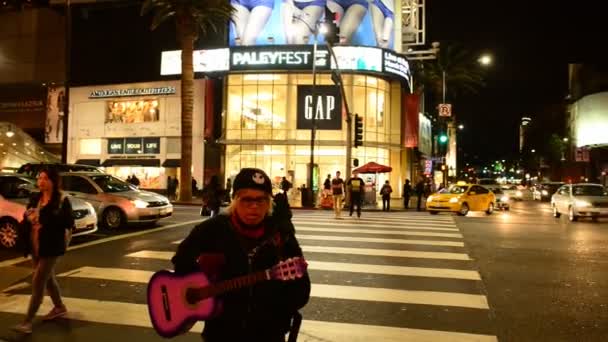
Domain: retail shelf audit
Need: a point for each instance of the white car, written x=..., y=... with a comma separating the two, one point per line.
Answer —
x=513, y=192
x=115, y=201
x=11, y=214
x=15, y=191
x=580, y=200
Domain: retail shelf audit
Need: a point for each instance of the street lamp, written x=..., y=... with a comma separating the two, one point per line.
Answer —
x=461, y=127
x=485, y=59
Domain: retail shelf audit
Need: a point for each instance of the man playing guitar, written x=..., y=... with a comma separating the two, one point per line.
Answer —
x=247, y=239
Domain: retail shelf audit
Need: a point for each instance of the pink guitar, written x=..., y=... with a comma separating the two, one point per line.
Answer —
x=176, y=302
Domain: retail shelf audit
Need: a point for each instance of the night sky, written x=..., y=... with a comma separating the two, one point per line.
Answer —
x=532, y=43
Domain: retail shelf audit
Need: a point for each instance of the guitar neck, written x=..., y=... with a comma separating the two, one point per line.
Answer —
x=234, y=284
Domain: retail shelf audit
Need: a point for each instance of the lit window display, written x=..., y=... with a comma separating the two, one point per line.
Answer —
x=132, y=111
x=261, y=127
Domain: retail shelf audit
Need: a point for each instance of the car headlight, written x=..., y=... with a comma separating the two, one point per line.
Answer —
x=139, y=203
x=430, y=199
x=580, y=203
x=519, y=194
x=454, y=200
x=544, y=192
x=504, y=199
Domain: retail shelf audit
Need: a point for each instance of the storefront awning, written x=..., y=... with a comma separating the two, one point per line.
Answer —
x=132, y=162
x=92, y=162
x=171, y=163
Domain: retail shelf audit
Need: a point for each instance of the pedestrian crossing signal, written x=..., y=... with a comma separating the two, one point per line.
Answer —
x=358, y=131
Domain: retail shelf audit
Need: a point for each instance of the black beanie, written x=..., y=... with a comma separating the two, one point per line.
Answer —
x=251, y=178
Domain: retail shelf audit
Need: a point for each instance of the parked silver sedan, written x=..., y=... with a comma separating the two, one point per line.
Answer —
x=580, y=200
x=115, y=201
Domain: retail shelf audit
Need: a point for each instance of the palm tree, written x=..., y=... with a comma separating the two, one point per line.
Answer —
x=463, y=74
x=191, y=18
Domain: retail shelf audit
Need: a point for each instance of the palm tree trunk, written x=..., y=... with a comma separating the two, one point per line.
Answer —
x=187, y=97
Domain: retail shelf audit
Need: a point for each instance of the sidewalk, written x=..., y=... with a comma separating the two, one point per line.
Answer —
x=295, y=203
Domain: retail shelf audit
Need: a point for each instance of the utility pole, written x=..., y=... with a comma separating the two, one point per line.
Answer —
x=68, y=64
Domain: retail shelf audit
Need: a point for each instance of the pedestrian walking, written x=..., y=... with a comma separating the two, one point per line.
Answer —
x=407, y=193
x=129, y=180
x=356, y=188
x=170, y=188
x=212, y=197
x=327, y=184
x=419, y=192
x=248, y=239
x=386, y=191
x=194, y=187
x=337, y=188
x=285, y=185
x=175, y=187
x=228, y=190
x=44, y=234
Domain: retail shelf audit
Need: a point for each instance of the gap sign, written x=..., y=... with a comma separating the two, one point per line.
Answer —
x=327, y=110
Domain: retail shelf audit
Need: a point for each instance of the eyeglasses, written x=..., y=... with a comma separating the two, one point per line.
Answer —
x=250, y=201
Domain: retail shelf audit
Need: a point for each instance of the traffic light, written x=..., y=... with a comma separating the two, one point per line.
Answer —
x=443, y=138
x=333, y=31
x=358, y=131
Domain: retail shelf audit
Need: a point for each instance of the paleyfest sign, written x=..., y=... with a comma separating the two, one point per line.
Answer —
x=293, y=57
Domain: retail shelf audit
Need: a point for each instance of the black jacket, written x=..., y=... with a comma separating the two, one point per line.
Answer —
x=263, y=311
x=55, y=219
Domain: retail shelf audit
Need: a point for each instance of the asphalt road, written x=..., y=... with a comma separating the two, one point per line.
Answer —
x=403, y=276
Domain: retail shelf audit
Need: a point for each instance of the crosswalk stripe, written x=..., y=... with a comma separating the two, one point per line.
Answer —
x=318, y=290
x=394, y=270
x=125, y=314
x=384, y=225
x=399, y=296
x=318, y=331
x=89, y=310
x=377, y=231
x=374, y=240
x=328, y=266
x=162, y=255
x=377, y=219
x=379, y=240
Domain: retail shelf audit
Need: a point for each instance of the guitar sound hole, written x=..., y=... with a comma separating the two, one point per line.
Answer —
x=192, y=296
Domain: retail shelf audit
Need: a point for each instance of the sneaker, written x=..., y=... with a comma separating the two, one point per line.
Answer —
x=56, y=312
x=24, y=328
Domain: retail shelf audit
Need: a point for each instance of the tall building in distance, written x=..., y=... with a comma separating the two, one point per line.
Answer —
x=523, y=129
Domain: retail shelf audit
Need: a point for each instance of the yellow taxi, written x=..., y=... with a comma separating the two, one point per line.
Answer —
x=462, y=198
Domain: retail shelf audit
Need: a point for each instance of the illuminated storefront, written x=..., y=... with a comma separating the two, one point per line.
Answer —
x=261, y=126
x=135, y=129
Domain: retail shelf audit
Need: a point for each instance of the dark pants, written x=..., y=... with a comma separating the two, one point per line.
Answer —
x=418, y=205
x=386, y=203
x=355, y=200
x=43, y=278
x=406, y=202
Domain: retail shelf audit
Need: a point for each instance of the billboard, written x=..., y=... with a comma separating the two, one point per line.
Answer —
x=55, y=103
x=591, y=120
x=269, y=22
x=132, y=111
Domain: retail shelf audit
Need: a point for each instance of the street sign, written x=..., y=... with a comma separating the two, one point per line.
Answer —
x=445, y=109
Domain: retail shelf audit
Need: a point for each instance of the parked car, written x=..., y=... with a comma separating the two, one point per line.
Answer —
x=462, y=198
x=116, y=202
x=513, y=192
x=580, y=200
x=544, y=191
x=32, y=169
x=502, y=199
x=15, y=191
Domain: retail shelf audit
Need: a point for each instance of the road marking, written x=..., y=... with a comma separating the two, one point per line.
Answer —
x=376, y=219
x=126, y=314
x=318, y=290
x=393, y=225
x=336, y=250
x=379, y=240
x=89, y=310
x=377, y=231
x=327, y=266
x=375, y=240
x=385, y=252
x=14, y=261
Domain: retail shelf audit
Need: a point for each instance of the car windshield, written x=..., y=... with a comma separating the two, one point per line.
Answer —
x=455, y=189
x=589, y=190
x=497, y=191
x=110, y=184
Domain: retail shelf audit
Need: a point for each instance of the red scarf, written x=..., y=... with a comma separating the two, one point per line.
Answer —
x=252, y=232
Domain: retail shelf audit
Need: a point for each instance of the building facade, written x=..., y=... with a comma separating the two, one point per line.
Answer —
x=135, y=129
